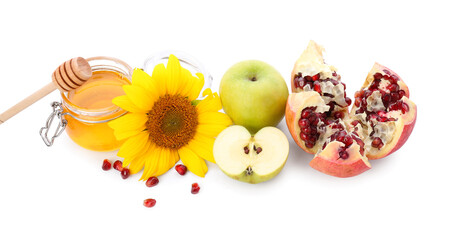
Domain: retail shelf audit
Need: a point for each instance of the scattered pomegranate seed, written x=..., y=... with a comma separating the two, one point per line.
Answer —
x=106, y=165
x=181, y=169
x=125, y=173
x=149, y=202
x=118, y=165
x=195, y=188
x=152, y=181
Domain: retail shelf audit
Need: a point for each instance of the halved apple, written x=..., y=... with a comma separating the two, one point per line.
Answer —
x=251, y=159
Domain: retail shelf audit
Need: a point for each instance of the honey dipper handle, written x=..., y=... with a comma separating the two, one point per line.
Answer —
x=27, y=102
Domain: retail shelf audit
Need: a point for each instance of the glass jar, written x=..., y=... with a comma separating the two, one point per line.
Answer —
x=88, y=109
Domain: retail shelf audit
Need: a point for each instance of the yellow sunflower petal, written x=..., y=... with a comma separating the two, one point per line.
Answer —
x=210, y=130
x=127, y=161
x=197, y=86
x=192, y=86
x=143, y=80
x=210, y=104
x=151, y=162
x=140, y=97
x=159, y=77
x=129, y=121
x=123, y=133
x=164, y=161
x=137, y=164
x=186, y=83
x=124, y=102
x=214, y=118
x=128, y=125
x=202, y=145
x=173, y=73
x=193, y=162
x=135, y=145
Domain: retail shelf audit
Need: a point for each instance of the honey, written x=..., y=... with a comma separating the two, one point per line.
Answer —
x=89, y=108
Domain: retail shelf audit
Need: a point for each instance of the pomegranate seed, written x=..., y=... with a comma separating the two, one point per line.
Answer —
x=338, y=115
x=394, y=96
x=386, y=98
x=344, y=86
x=357, y=102
x=334, y=74
x=181, y=169
x=376, y=142
x=305, y=113
x=393, y=79
x=149, y=202
x=378, y=76
x=118, y=165
x=303, y=123
x=301, y=83
x=348, y=141
x=152, y=181
x=401, y=93
x=393, y=87
x=316, y=77
x=386, y=77
x=405, y=108
x=195, y=188
x=303, y=136
x=309, y=144
x=355, y=122
x=106, y=165
x=343, y=155
x=348, y=101
x=125, y=173
x=317, y=87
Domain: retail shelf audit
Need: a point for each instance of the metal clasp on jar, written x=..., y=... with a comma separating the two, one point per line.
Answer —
x=57, y=113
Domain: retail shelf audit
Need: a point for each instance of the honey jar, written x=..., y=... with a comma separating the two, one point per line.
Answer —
x=85, y=112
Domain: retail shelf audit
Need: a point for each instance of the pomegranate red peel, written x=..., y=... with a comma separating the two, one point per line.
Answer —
x=329, y=162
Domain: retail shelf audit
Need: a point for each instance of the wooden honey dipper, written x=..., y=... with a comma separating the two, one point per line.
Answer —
x=68, y=76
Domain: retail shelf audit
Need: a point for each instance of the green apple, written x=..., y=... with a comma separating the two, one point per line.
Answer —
x=253, y=94
x=248, y=158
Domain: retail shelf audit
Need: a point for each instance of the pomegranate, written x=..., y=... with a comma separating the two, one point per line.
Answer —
x=381, y=119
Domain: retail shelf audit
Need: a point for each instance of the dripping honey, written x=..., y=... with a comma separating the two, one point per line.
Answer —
x=89, y=108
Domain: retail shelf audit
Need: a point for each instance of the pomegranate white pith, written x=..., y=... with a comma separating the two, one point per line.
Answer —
x=381, y=119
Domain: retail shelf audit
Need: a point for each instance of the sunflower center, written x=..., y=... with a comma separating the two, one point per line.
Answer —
x=172, y=121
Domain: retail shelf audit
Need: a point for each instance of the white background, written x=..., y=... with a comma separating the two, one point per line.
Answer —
x=62, y=193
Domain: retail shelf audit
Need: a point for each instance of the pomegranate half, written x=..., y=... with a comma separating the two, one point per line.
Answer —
x=379, y=123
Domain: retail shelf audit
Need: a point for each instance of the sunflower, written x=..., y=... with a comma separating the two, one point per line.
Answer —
x=166, y=123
